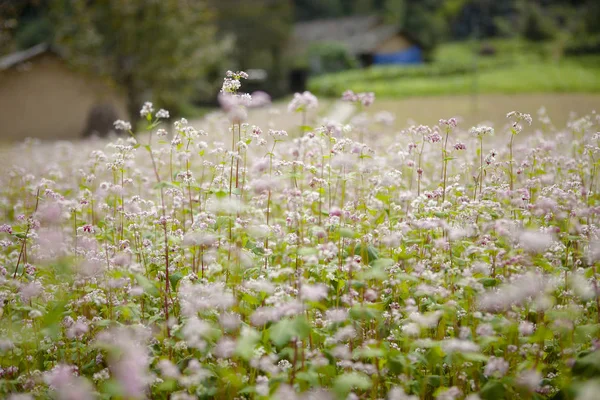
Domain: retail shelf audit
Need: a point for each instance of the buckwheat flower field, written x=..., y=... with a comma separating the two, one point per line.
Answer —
x=328, y=261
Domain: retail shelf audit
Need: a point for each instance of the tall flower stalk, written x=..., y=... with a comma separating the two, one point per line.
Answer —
x=479, y=132
x=448, y=125
x=146, y=113
x=516, y=119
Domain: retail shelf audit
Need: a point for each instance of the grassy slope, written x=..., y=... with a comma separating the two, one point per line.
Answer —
x=517, y=68
x=522, y=78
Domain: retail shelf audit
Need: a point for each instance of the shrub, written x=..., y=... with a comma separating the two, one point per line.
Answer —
x=537, y=26
x=329, y=57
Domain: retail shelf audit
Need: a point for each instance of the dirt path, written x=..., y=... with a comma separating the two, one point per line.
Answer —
x=490, y=108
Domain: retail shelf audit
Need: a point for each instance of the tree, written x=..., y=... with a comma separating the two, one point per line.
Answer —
x=261, y=33
x=537, y=26
x=363, y=7
x=158, y=47
x=23, y=23
x=305, y=10
x=419, y=19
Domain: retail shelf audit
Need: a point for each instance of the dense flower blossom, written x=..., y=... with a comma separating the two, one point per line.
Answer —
x=314, y=292
x=232, y=83
x=519, y=116
x=162, y=113
x=234, y=259
x=496, y=367
x=482, y=130
x=535, y=242
x=121, y=125
x=130, y=362
x=303, y=101
x=518, y=291
x=461, y=346
x=452, y=122
x=64, y=381
x=366, y=99
x=147, y=109
x=530, y=379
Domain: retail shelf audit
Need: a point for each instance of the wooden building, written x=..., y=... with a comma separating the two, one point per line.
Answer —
x=367, y=38
x=41, y=96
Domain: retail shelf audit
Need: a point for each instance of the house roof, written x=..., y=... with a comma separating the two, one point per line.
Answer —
x=19, y=57
x=358, y=34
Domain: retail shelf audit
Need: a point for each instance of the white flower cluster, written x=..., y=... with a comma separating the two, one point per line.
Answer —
x=482, y=130
x=121, y=125
x=303, y=101
x=147, y=109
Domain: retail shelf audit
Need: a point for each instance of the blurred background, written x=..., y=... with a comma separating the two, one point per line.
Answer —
x=69, y=68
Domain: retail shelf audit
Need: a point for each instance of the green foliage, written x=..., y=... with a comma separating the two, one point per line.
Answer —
x=517, y=67
x=537, y=26
x=583, y=45
x=160, y=46
x=354, y=380
x=287, y=329
x=330, y=57
x=588, y=365
x=260, y=35
x=586, y=31
x=313, y=9
x=421, y=21
x=34, y=31
x=493, y=390
x=334, y=277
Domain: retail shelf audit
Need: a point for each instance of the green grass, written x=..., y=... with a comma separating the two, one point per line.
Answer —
x=517, y=67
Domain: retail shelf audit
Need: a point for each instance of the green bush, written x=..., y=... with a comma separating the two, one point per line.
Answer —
x=335, y=84
x=537, y=27
x=584, y=45
x=580, y=74
x=330, y=57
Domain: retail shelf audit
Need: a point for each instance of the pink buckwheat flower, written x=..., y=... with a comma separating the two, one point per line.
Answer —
x=88, y=228
x=303, y=101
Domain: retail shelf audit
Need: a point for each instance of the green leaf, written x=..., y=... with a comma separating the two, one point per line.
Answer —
x=360, y=312
x=148, y=286
x=167, y=386
x=246, y=343
x=434, y=380
x=475, y=357
x=343, y=384
x=492, y=390
x=307, y=251
x=371, y=254
x=53, y=318
x=163, y=184
x=368, y=352
x=488, y=282
x=283, y=331
x=383, y=263
x=583, y=333
x=311, y=377
x=347, y=233
x=113, y=388
x=588, y=366
x=220, y=194
x=174, y=279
